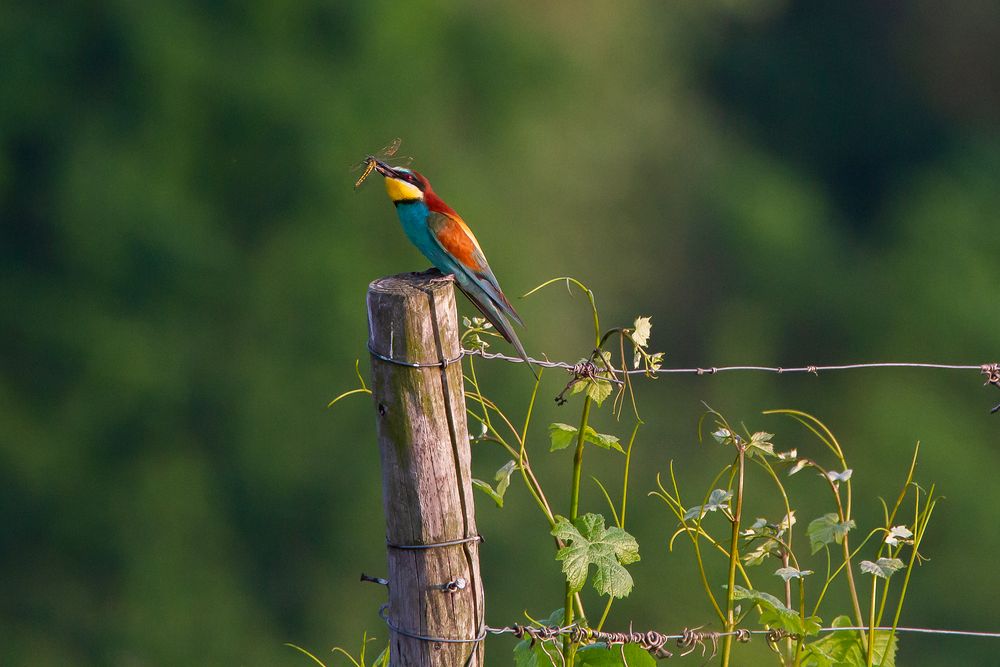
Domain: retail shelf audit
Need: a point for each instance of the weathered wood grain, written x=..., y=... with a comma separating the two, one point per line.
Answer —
x=426, y=479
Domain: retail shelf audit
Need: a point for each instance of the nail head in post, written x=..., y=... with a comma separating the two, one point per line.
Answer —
x=454, y=586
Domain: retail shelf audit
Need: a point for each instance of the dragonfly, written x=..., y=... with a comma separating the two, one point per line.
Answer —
x=384, y=155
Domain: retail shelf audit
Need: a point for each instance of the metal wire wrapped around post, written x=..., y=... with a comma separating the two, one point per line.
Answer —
x=435, y=589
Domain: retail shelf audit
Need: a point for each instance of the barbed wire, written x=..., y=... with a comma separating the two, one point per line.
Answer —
x=579, y=633
x=691, y=639
x=587, y=368
x=688, y=640
x=651, y=640
x=988, y=369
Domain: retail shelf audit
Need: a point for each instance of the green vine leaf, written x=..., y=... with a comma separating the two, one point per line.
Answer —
x=826, y=529
x=758, y=528
x=537, y=654
x=835, y=476
x=762, y=532
x=628, y=655
x=717, y=500
x=534, y=654
x=775, y=614
x=609, y=550
x=845, y=648
x=761, y=442
x=883, y=567
x=723, y=436
x=641, y=329
x=799, y=465
x=488, y=490
x=789, y=573
x=502, y=478
x=602, y=440
x=899, y=534
x=598, y=387
x=639, y=335
x=655, y=361
x=760, y=552
x=528, y=653
x=598, y=390
x=562, y=436
x=477, y=343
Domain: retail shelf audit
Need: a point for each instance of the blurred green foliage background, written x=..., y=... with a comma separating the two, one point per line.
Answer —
x=184, y=265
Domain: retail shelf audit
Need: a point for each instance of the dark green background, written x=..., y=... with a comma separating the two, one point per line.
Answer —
x=184, y=265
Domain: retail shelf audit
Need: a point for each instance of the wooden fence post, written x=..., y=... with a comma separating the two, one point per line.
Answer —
x=434, y=589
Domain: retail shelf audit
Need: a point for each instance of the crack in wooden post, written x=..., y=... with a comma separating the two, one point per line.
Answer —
x=423, y=441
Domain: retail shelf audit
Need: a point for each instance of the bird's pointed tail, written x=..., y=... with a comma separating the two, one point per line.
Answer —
x=499, y=322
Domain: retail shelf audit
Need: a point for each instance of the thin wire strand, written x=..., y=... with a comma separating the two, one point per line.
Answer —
x=435, y=545
x=414, y=364
x=983, y=368
x=383, y=613
x=926, y=631
x=568, y=630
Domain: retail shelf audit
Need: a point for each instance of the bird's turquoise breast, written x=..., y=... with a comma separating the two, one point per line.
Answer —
x=413, y=216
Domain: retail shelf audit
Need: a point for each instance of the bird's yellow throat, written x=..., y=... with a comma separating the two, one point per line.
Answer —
x=401, y=190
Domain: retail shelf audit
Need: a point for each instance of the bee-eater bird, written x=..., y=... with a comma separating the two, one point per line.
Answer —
x=444, y=238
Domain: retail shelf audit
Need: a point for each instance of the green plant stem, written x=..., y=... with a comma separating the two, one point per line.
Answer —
x=850, y=581
x=628, y=462
x=475, y=384
x=870, y=649
x=574, y=511
x=627, y=386
x=530, y=481
x=621, y=516
x=722, y=550
x=734, y=557
x=527, y=474
x=604, y=614
x=586, y=290
x=889, y=520
x=850, y=574
x=698, y=532
x=785, y=559
x=830, y=440
x=844, y=516
x=836, y=573
x=762, y=462
x=574, y=501
x=921, y=526
x=793, y=647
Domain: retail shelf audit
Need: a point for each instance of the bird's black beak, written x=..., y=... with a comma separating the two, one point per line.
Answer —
x=385, y=170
